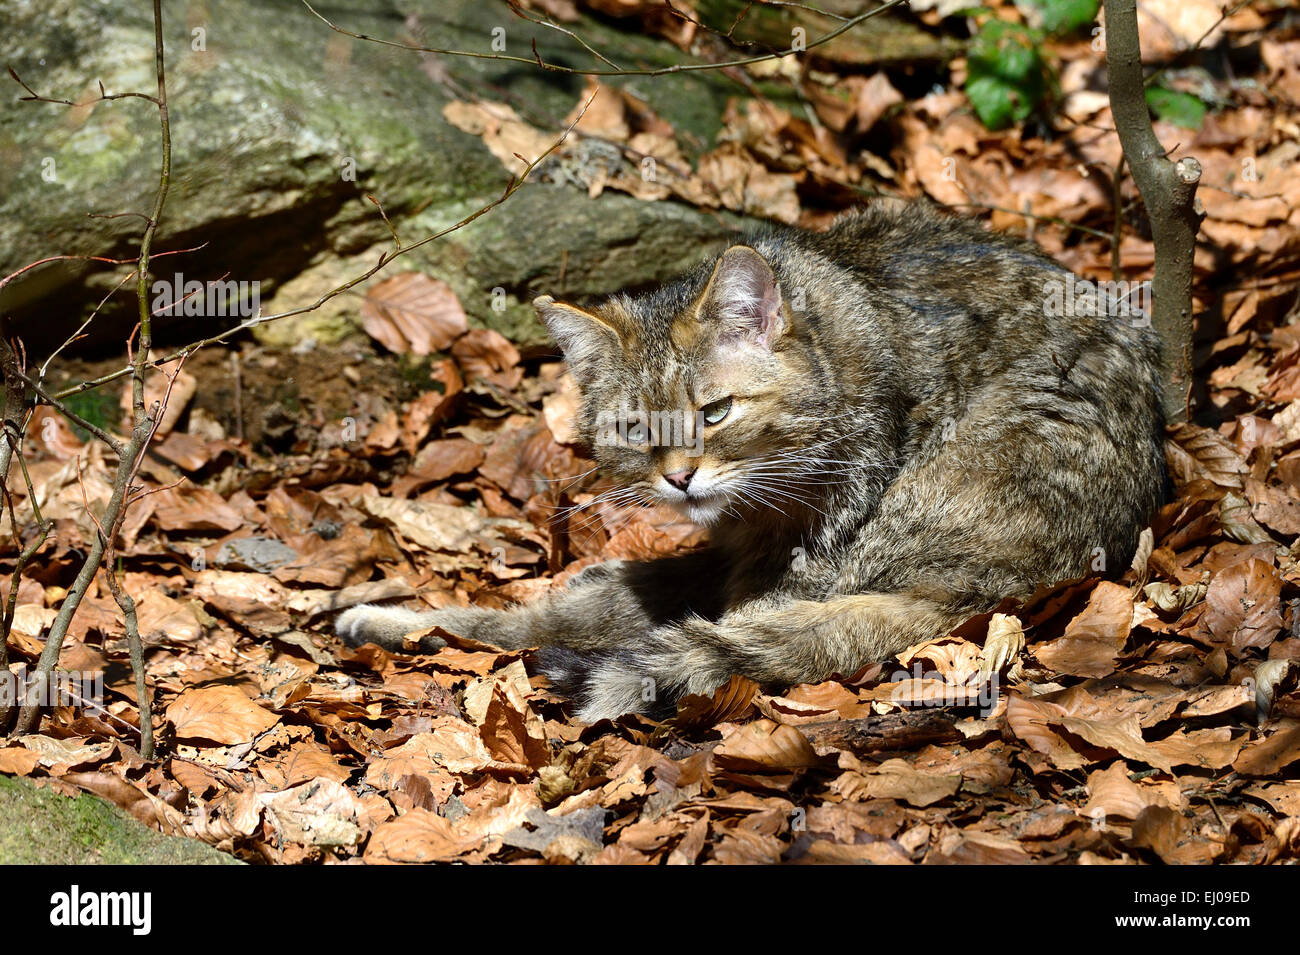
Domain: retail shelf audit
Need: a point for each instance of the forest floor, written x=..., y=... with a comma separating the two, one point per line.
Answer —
x=1145, y=713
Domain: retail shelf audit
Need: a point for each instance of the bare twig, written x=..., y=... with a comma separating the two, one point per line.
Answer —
x=34, y=97
x=1224, y=14
x=1168, y=190
x=551, y=24
x=86, y=258
x=130, y=456
x=112, y=441
x=536, y=60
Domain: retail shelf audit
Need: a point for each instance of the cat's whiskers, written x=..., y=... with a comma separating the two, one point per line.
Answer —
x=616, y=496
x=571, y=478
x=764, y=491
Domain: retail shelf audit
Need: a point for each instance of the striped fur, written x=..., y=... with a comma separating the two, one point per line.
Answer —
x=913, y=436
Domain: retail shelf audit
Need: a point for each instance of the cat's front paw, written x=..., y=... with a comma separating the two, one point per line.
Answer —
x=386, y=626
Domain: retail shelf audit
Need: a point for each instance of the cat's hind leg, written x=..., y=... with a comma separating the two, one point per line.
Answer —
x=795, y=642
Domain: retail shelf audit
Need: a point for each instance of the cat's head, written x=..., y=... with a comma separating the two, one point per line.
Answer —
x=699, y=394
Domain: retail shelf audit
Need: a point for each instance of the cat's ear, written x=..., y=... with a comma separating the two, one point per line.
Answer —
x=744, y=297
x=587, y=340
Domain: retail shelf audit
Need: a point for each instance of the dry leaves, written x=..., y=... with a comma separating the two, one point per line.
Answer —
x=1150, y=716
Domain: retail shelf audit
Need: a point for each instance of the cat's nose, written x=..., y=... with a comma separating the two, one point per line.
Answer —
x=680, y=479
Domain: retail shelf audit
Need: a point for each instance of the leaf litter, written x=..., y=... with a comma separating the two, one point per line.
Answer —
x=1147, y=716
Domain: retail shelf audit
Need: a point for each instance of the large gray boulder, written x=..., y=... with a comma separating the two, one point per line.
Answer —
x=280, y=129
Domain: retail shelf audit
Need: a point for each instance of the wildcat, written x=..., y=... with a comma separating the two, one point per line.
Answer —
x=888, y=427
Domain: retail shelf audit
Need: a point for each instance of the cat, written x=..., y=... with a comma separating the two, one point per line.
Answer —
x=887, y=427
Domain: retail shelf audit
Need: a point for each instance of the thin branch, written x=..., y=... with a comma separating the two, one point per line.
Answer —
x=34, y=97
x=88, y=258
x=384, y=259
x=113, y=442
x=132, y=453
x=45, y=365
x=1168, y=191
x=647, y=71
x=548, y=22
x=1224, y=14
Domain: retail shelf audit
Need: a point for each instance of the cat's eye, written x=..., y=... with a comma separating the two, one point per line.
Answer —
x=716, y=411
x=637, y=433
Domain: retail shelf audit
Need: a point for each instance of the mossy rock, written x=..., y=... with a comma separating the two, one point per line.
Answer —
x=281, y=128
x=40, y=827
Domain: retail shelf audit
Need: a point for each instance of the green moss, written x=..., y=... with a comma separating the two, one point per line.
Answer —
x=100, y=408
x=41, y=827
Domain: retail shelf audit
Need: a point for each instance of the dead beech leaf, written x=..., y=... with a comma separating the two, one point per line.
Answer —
x=431, y=525
x=874, y=98
x=1159, y=829
x=955, y=660
x=164, y=619
x=1195, y=452
x=302, y=762
x=487, y=354
x=1273, y=507
x=511, y=732
x=1239, y=522
x=1095, y=637
x=971, y=847
x=32, y=619
x=560, y=410
x=897, y=779
x=18, y=760
x=1031, y=721
x=1284, y=797
x=190, y=508
x=1111, y=794
x=504, y=134
x=439, y=460
x=386, y=771
x=1242, y=606
x=1267, y=756
x=322, y=812
x=222, y=714
x=1124, y=736
x=478, y=694
x=143, y=805
x=1267, y=676
x=1209, y=748
x=252, y=598
x=729, y=702
x=419, y=835
x=1217, y=699
x=764, y=746
x=600, y=111
x=413, y=313
x=453, y=745
x=60, y=754
x=1004, y=642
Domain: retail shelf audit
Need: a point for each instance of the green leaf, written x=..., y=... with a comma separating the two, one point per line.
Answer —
x=1005, y=73
x=1181, y=109
x=1060, y=16
x=997, y=104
